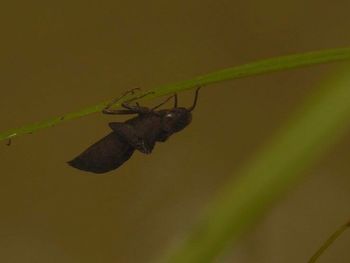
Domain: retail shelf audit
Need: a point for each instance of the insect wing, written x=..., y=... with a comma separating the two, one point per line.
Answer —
x=105, y=155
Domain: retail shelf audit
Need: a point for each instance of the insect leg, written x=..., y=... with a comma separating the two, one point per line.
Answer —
x=137, y=109
x=132, y=91
x=169, y=98
x=119, y=112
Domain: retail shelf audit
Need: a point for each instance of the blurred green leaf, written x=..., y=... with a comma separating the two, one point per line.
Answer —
x=319, y=123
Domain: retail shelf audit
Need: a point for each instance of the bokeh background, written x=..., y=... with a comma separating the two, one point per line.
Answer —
x=58, y=57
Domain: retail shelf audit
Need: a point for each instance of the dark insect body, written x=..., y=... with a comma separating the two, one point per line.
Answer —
x=139, y=133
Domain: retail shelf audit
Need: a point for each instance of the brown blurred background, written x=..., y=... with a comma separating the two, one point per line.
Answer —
x=58, y=57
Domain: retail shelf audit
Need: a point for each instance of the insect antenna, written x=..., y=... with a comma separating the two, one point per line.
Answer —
x=195, y=100
x=175, y=100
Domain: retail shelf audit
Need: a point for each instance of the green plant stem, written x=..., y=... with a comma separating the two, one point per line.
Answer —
x=329, y=242
x=255, y=68
x=317, y=125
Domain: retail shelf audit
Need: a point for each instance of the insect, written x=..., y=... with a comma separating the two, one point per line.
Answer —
x=139, y=133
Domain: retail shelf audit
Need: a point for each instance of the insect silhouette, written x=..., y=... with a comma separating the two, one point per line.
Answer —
x=139, y=133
